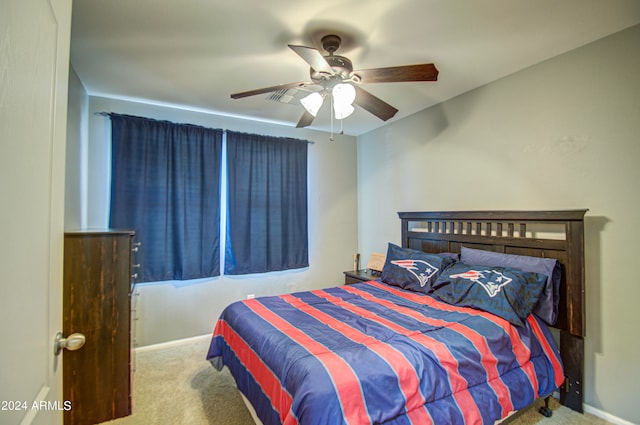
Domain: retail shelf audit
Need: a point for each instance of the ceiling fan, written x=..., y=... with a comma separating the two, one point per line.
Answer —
x=334, y=74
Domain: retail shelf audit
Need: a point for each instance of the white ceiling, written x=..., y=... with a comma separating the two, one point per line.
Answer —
x=195, y=53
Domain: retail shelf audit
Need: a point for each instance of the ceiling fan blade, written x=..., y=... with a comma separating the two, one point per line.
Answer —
x=314, y=58
x=268, y=90
x=399, y=74
x=373, y=104
x=305, y=120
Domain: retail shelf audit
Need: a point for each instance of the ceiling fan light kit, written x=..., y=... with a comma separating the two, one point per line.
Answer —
x=343, y=97
x=312, y=103
x=337, y=79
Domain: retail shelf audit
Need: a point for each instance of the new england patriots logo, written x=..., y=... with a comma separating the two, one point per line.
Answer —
x=419, y=268
x=492, y=282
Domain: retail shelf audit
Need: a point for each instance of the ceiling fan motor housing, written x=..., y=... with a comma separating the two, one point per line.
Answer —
x=341, y=66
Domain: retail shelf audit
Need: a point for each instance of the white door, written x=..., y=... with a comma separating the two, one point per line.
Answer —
x=34, y=65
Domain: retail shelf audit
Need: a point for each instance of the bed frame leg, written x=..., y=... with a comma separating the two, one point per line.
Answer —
x=546, y=410
x=572, y=353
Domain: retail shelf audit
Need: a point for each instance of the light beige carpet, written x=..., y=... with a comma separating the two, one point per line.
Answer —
x=176, y=385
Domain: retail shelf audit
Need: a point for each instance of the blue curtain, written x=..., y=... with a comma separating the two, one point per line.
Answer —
x=166, y=186
x=267, y=204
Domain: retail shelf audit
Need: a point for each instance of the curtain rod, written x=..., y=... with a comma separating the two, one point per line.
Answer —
x=106, y=114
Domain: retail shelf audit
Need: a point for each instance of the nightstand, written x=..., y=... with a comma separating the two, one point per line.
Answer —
x=363, y=275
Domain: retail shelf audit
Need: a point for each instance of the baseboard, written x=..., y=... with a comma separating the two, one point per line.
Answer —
x=606, y=416
x=169, y=344
x=601, y=413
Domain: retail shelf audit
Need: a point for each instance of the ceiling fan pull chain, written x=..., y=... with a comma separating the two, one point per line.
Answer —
x=331, y=116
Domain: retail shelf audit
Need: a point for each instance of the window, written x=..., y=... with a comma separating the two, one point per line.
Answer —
x=267, y=204
x=166, y=186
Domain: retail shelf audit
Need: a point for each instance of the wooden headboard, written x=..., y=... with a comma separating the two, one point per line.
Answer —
x=551, y=234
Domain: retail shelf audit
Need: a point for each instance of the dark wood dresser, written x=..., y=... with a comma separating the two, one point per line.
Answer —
x=97, y=303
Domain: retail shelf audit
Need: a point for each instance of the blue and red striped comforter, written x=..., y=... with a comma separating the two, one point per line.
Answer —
x=372, y=353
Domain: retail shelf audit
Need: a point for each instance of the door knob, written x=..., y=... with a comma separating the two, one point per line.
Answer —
x=72, y=343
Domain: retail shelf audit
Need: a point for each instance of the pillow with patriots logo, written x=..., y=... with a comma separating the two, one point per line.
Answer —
x=547, y=307
x=506, y=292
x=412, y=269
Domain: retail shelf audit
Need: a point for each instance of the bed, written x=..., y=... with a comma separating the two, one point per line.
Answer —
x=394, y=351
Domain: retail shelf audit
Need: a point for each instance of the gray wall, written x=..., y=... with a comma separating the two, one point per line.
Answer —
x=173, y=310
x=77, y=110
x=562, y=134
